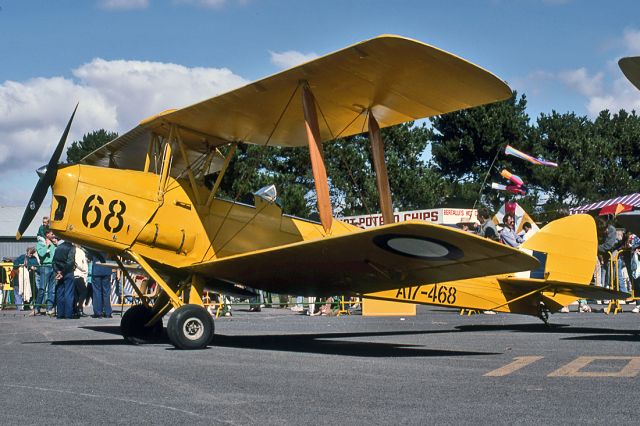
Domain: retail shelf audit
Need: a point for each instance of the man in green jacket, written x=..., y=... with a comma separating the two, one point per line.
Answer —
x=47, y=283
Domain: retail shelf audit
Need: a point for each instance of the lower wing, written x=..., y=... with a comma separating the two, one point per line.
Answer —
x=370, y=260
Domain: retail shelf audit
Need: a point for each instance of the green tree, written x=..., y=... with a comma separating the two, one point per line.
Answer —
x=621, y=133
x=89, y=143
x=414, y=183
x=465, y=144
x=597, y=159
x=570, y=141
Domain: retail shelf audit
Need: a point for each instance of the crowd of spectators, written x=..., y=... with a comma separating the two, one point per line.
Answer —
x=507, y=235
x=59, y=279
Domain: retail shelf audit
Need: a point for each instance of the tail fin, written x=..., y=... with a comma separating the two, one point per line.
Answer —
x=570, y=245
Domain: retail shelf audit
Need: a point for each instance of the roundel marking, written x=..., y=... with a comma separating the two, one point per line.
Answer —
x=418, y=247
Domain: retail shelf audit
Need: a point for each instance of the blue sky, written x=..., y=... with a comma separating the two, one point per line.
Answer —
x=127, y=59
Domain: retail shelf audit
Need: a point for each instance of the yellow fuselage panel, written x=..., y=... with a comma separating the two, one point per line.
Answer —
x=483, y=293
x=103, y=208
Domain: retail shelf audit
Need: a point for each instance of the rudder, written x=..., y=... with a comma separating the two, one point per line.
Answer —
x=571, y=247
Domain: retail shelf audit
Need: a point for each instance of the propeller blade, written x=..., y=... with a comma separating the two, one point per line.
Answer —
x=47, y=180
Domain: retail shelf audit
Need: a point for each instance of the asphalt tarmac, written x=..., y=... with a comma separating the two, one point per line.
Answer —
x=278, y=367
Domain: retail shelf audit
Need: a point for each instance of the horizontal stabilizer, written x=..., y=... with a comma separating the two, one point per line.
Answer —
x=549, y=287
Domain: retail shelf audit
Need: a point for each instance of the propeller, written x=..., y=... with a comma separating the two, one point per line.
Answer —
x=47, y=178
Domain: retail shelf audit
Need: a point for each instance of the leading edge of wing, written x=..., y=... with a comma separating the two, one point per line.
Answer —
x=370, y=260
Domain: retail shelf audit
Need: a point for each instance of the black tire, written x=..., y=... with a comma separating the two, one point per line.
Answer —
x=132, y=326
x=190, y=327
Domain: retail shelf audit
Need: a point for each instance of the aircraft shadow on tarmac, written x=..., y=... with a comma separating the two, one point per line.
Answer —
x=586, y=333
x=319, y=343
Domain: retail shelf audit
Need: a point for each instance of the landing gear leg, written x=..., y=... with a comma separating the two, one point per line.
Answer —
x=543, y=313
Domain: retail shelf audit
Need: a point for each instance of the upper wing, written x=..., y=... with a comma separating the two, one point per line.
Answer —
x=631, y=69
x=398, y=79
x=370, y=260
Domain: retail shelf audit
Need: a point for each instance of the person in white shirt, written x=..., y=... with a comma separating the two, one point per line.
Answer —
x=80, y=274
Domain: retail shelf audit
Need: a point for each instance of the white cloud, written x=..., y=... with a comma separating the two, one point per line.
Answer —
x=123, y=4
x=631, y=41
x=612, y=93
x=33, y=114
x=533, y=83
x=114, y=95
x=606, y=88
x=621, y=95
x=580, y=80
x=139, y=89
x=290, y=58
x=203, y=3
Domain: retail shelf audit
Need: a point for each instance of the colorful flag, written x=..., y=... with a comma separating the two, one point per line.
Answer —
x=509, y=150
x=513, y=178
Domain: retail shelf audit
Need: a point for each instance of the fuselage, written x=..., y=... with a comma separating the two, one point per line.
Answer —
x=115, y=210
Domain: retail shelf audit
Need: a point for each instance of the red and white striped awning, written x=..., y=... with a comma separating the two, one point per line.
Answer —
x=630, y=200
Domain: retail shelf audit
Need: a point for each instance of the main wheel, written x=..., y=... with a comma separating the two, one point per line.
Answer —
x=190, y=327
x=132, y=326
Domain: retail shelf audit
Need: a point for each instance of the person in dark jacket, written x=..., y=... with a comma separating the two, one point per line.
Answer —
x=101, y=283
x=64, y=263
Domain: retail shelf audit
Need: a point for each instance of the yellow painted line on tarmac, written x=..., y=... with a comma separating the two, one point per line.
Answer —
x=518, y=363
x=573, y=369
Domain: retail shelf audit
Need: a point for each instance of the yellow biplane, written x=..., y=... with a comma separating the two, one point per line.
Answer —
x=567, y=249
x=143, y=195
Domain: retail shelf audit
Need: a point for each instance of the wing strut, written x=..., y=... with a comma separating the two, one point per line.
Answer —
x=382, y=177
x=317, y=157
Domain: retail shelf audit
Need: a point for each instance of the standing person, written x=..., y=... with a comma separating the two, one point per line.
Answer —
x=605, y=249
x=64, y=263
x=42, y=230
x=527, y=231
x=508, y=234
x=101, y=283
x=47, y=283
x=80, y=280
x=635, y=271
x=487, y=228
x=25, y=265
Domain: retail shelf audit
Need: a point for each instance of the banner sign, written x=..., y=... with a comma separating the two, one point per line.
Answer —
x=442, y=216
